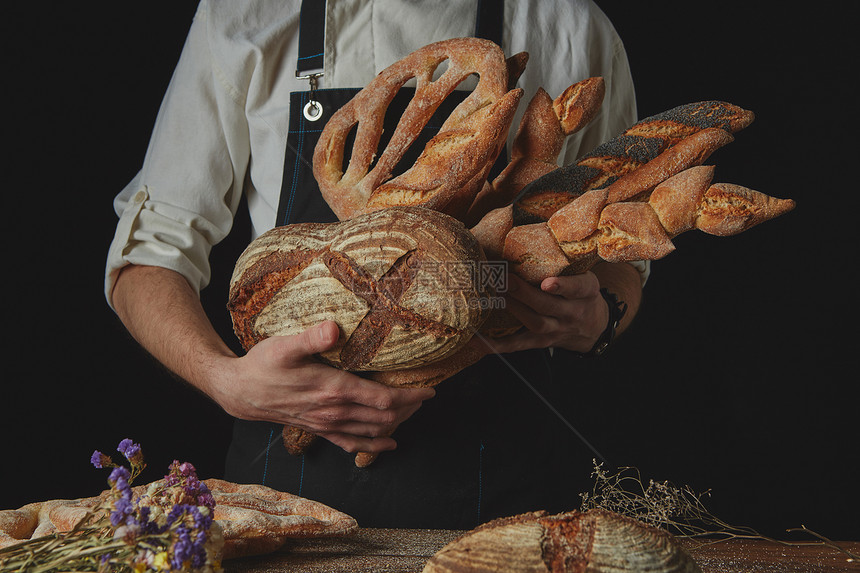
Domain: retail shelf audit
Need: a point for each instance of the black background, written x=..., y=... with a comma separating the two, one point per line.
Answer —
x=738, y=376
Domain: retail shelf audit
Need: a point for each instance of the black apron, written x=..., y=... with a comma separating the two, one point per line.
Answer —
x=486, y=446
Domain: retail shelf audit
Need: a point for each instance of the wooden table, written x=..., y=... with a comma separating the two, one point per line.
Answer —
x=407, y=550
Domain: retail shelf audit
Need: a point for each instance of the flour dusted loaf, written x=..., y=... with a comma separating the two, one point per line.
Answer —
x=624, y=156
x=592, y=227
x=454, y=164
x=253, y=519
x=399, y=282
x=596, y=541
x=628, y=198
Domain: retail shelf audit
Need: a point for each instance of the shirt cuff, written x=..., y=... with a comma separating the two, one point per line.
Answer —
x=157, y=234
x=644, y=268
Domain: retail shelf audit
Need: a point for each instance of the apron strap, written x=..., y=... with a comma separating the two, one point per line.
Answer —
x=490, y=21
x=311, y=36
x=489, y=24
x=300, y=199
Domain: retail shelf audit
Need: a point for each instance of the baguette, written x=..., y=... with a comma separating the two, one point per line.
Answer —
x=540, y=137
x=596, y=230
x=592, y=228
x=622, y=155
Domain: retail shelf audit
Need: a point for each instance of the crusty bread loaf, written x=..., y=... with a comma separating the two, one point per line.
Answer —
x=596, y=541
x=635, y=147
x=592, y=227
x=253, y=519
x=43, y=518
x=448, y=172
x=400, y=283
x=692, y=150
x=540, y=137
x=256, y=519
x=491, y=231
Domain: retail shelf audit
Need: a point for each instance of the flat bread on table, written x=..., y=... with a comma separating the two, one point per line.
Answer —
x=254, y=519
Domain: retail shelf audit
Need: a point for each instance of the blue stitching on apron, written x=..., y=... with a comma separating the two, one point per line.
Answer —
x=266, y=463
x=308, y=131
x=480, y=477
x=295, y=167
x=301, y=476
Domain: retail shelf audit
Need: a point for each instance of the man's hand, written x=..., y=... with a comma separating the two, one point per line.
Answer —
x=279, y=380
x=564, y=312
x=569, y=311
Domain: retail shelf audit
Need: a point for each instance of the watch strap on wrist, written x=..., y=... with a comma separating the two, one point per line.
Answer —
x=617, y=309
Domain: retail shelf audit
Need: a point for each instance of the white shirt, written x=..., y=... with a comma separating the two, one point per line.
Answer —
x=222, y=127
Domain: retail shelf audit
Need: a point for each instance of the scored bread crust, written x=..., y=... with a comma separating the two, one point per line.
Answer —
x=592, y=227
x=625, y=154
x=400, y=283
x=595, y=541
x=539, y=139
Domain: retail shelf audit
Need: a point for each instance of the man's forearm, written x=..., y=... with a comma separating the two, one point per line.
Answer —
x=163, y=313
x=277, y=381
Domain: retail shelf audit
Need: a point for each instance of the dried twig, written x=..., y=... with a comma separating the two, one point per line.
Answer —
x=678, y=510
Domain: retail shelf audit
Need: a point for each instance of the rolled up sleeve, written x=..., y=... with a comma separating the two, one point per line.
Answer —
x=162, y=234
x=183, y=200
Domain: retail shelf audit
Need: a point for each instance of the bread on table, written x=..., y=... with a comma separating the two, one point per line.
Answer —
x=595, y=541
x=253, y=519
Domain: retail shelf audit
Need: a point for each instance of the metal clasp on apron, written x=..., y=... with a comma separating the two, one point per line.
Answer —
x=313, y=109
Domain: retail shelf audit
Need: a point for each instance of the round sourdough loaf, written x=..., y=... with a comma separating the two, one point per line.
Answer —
x=595, y=541
x=403, y=284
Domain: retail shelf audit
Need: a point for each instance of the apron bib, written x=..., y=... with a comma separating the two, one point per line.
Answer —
x=485, y=446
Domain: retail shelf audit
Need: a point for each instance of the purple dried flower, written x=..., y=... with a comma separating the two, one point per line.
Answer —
x=199, y=557
x=187, y=469
x=119, y=477
x=176, y=512
x=206, y=499
x=123, y=512
x=147, y=526
x=189, y=536
x=183, y=547
x=172, y=477
x=101, y=460
x=131, y=451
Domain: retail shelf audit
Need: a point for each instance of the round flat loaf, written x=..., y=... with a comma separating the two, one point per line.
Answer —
x=401, y=283
x=596, y=541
